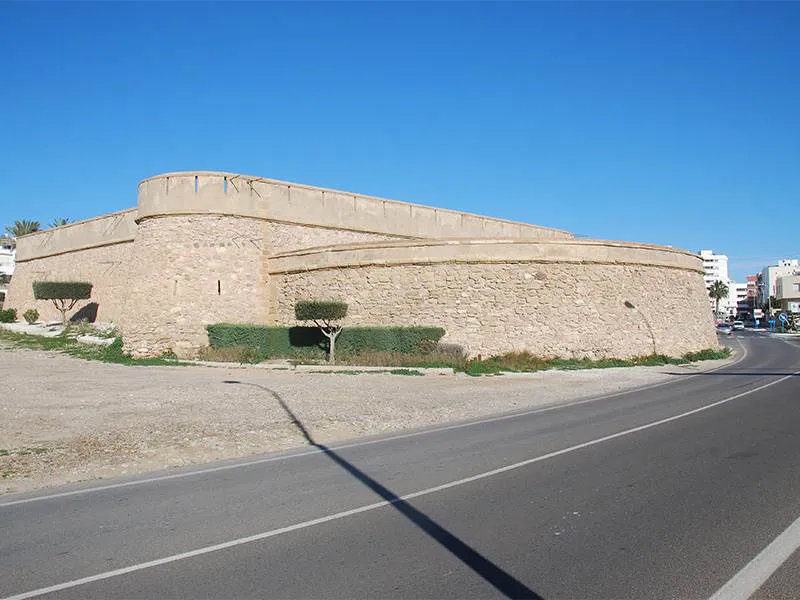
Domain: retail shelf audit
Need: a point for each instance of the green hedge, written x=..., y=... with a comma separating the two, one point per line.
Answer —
x=309, y=342
x=8, y=315
x=62, y=290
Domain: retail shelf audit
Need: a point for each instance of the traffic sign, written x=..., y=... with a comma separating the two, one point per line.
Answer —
x=783, y=317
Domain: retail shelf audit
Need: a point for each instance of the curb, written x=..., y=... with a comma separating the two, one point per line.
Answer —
x=333, y=369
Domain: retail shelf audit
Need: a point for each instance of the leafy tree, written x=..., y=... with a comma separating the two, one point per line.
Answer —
x=64, y=294
x=23, y=227
x=325, y=314
x=717, y=292
x=60, y=221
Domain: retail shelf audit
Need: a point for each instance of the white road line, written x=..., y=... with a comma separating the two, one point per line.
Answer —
x=427, y=431
x=369, y=507
x=755, y=573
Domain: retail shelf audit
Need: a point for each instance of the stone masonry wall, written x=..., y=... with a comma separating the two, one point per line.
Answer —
x=567, y=310
x=285, y=237
x=195, y=270
x=187, y=272
x=106, y=267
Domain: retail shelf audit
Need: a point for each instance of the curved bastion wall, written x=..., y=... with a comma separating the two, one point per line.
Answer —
x=566, y=298
x=205, y=247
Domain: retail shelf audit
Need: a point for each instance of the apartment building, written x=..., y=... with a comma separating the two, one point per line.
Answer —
x=787, y=291
x=771, y=274
x=715, y=267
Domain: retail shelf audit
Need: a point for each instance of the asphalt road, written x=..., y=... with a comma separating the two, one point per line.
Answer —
x=665, y=492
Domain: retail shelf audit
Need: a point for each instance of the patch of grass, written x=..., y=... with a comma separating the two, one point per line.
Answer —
x=23, y=451
x=708, y=354
x=398, y=359
x=522, y=362
x=80, y=328
x=110, y=354
x=519, y=362
x=412, y=372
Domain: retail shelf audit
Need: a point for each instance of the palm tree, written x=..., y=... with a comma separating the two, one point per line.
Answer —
x=60, y=221
x=23, y=227
x=717, y=292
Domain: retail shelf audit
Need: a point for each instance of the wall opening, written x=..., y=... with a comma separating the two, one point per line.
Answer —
x=195, y=183
x=219, y=287
x=225, y=186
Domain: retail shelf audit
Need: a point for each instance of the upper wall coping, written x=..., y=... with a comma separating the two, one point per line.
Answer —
x=301, y=186
x=77, y=223
x=416, y=252
x=110, y=228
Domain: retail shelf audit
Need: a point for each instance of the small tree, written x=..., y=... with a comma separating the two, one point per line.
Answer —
x=325, y=314
x=60, y=222
x=717, y=292
x=64, y=294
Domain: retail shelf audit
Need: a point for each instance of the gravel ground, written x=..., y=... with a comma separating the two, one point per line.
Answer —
x=63, y=419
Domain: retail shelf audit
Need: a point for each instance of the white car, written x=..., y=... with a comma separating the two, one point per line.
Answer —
x=738, y=325
x=724, y=329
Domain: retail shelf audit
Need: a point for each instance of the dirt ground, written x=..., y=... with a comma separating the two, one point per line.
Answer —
x=63, y=419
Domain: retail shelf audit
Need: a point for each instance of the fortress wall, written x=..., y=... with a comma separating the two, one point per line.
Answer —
x=243, y=195
x=212, y=247
x=96, y=250
x=551, y=299
x=106, y=267
x=285, y=237
x=189, y=271
x=105, y=230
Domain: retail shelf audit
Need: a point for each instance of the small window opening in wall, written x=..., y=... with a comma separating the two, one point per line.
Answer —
x=225, y=186
x=219, y=288
x=195, y=183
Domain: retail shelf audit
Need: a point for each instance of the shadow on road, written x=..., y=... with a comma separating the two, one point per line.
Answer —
x=504, y=582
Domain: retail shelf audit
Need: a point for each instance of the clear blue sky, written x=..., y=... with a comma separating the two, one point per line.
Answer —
x=674, y=123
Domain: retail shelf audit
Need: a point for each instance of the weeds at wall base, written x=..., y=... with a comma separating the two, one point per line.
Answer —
x=396, y=363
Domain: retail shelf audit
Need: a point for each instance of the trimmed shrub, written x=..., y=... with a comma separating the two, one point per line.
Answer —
x=64, y=294
x=9, y=315
x=31, y=316
x=325, y=314
x=58, y=290
x=320, y=310
x=310, y=342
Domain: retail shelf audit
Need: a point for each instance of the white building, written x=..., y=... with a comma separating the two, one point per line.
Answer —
x=7, y=264
x=716, y=269
x=7, y=258
x=770, y=275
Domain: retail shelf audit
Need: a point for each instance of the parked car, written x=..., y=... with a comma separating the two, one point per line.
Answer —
x=724, y=329
x=738, y=325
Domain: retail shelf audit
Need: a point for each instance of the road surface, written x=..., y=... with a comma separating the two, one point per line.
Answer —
x=689, y=489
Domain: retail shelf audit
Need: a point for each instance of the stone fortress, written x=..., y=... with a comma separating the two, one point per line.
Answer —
x=207, y=247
